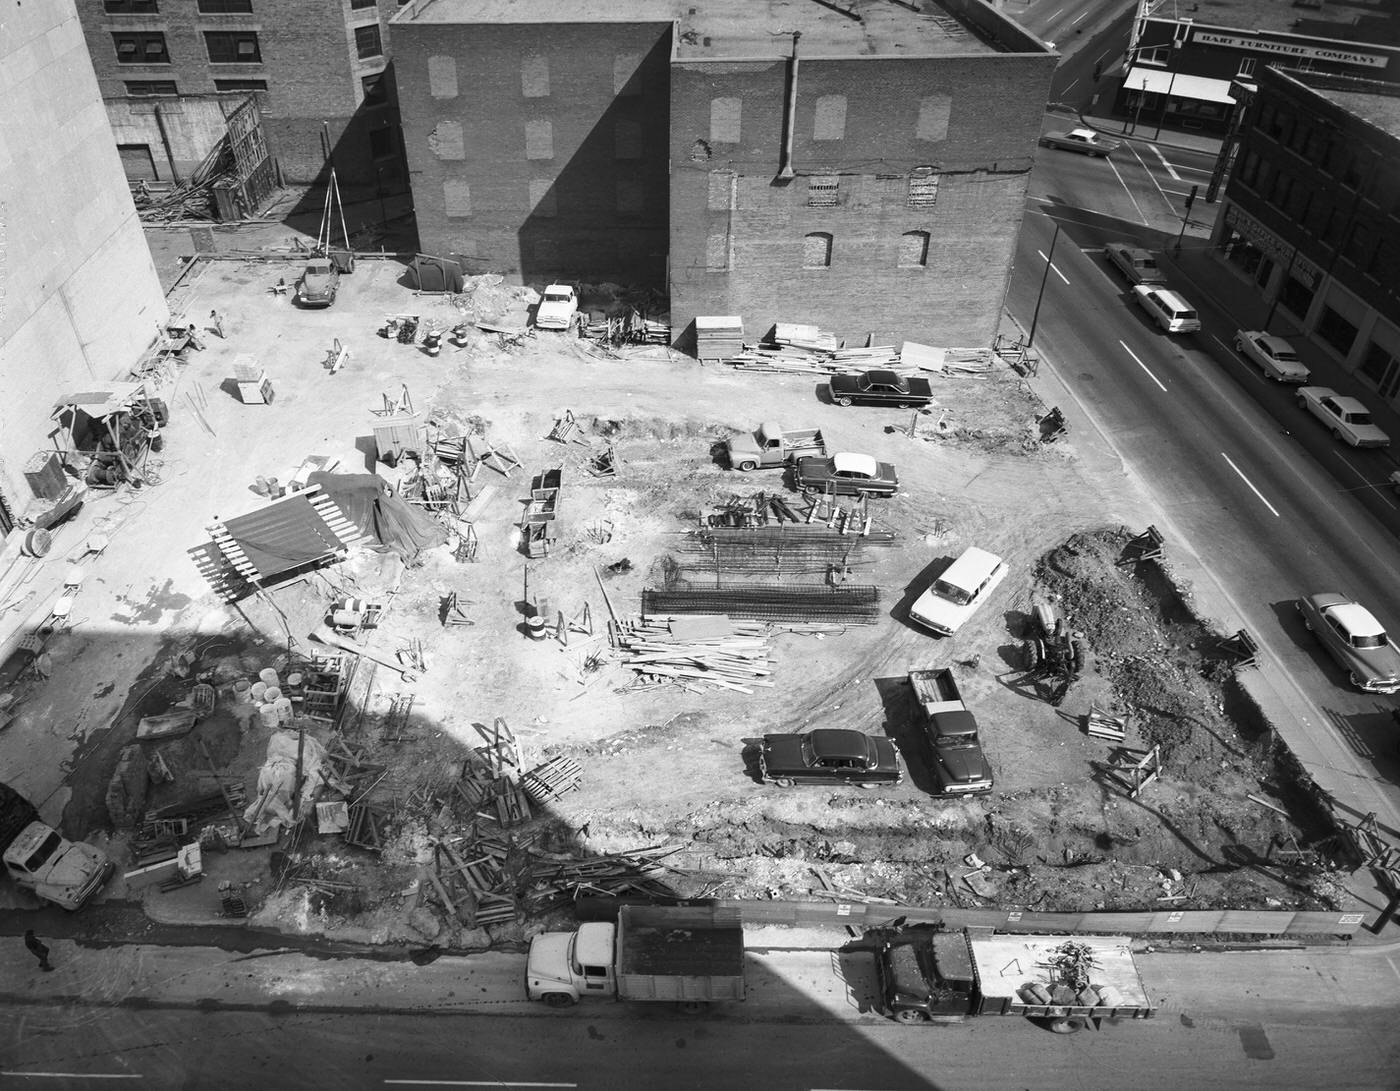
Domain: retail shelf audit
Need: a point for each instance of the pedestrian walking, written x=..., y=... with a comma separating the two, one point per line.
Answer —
x=38, y=949
x=218, y=326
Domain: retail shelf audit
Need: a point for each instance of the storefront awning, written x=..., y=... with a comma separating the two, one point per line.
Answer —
x=1178, y=85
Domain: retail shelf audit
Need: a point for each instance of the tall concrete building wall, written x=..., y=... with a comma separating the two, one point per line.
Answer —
x=79, y=296
x=539, y=149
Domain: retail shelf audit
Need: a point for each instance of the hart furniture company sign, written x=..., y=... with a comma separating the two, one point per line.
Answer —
x=1291, y=49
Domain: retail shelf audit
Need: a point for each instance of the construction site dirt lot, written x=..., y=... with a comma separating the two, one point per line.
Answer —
x=670, y=764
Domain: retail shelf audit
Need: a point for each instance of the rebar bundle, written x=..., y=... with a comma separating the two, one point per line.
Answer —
x=857, y=605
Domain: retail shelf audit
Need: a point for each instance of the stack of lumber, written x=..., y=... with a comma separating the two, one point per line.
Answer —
x=798, y=336
x=551, y=779
x=552, y=882
x=704, y=647
x=718, y=338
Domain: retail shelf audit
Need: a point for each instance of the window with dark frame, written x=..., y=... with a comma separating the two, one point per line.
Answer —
x=367, y=42
x=240, y=85
x=225, y=7
x=375, y=89
x=141, y=47
x=142, y=88
x=363, y=3
x=130, y=7
x=823, y=191
x=232, y=46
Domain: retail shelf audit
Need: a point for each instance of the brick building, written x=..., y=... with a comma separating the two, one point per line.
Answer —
x=861, y=165
x=1311, y=217
x=310, y=61
x=79, y=297
x=1186, y=68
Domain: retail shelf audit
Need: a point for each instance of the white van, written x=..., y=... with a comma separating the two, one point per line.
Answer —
x=964, y=585
x=1167, y=309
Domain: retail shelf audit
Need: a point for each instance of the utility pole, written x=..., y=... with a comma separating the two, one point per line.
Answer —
x=1185, y=218
x=1049, y=257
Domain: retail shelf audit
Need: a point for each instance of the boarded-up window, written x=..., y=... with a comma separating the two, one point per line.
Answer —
x=457, y=197
x=534, y=75
x=823, y=191
x=717, y=252
x=923, y=188
x=725, y=115
x=913, y=250
x=446, y=142
x=542, y=201
x=627, y=140
x=539, y=140
x=830, y=121
x=933, y=117
x=722, y=191
x=626, y=80
x=816, y=250
x=442, y=77
x=631, y=196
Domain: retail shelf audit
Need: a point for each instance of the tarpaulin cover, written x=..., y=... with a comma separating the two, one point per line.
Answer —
x=367, y=501
x=283, y=536
x=278, y=777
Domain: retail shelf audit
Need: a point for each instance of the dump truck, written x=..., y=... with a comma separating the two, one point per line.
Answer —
x=958, y=763
x=929, y=974
x=690, y=955
x=43, y=861
x=772, y=446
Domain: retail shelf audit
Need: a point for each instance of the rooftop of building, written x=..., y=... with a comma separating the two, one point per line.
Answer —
x=740, y=29
x=1339, y=20
x=1378, y=104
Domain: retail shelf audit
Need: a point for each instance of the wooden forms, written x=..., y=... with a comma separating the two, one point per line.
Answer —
x=696, y=648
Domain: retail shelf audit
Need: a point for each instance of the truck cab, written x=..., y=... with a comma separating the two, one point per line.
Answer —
x=564, y=966
x=926, y=977
x=557, y=308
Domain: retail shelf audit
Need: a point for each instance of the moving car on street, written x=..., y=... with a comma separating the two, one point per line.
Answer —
x=1086, y=141
x=880, y=388
x=1274, y=355
x=1348, y=419
x=1135, y=263
x=847, y=474
x=1355, y=639
x=828, y=756
x=1168, y=309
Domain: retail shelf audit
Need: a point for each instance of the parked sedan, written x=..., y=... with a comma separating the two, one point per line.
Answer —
x=1273, y=354
x=1355, y=639
x=318, y=284
x=880, y=388
x=846, y=474
x=828, y=756
x=1086, y=141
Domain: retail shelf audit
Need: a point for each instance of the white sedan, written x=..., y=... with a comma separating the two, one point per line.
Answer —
x=1274, y=355
x=1087, y=141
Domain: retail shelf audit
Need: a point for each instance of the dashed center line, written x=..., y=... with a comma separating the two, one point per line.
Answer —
x=74, y=1075
x=1045, y=258
x=1250, y=483
x=1144, y=367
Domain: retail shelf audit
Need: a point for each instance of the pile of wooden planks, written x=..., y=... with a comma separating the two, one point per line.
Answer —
x=710, y=648
x=718, y=337
x=551, y=779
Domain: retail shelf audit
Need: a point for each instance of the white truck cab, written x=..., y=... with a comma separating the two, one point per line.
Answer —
x=564, y=966
x=557, y=308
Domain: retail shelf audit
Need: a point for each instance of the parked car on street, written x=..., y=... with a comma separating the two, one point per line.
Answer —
x=828, y=756
x=1348, y=419
x=1274, y=355
x=1355, y=639
x=1086, y=141
x=880, y=388
x=1135, y=263
x=847, y=474
x=318, y=283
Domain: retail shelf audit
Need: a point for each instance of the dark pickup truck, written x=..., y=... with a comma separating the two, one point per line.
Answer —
x=880, y=388
x=959, y=766
x=828, y=756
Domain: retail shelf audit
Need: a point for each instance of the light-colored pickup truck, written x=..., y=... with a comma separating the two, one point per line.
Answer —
x=772, y=446
x=557, y=308
x=1347, y=418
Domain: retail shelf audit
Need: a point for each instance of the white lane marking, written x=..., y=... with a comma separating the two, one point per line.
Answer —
x=1250, y=483
x=1126, y=190
x=1059, y=274
x=1078, y=17
x=1365, y=484
x=1158, y=152
x=75, y=1075
x=475, y=1083
x=1391, y=963
x=1144, y=367
x=1252, y=372
x=1153, y=179
x=1056, y=14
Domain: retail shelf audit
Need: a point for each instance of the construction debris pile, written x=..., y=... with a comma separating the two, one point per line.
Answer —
x=705, y=648
x=192, y=198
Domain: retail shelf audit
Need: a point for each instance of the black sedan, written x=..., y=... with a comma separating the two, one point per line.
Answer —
x=846, y=475
x=828, y=756
x=880, y=388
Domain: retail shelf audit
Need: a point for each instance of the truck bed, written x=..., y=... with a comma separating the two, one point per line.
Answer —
x=675, y=953
x=1005, y=963
x=936, y=690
